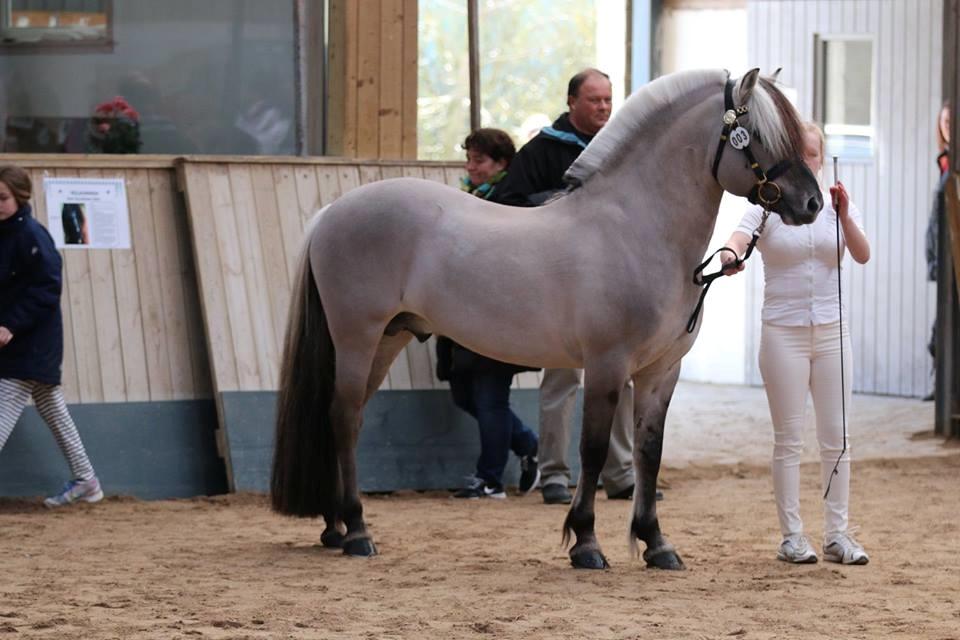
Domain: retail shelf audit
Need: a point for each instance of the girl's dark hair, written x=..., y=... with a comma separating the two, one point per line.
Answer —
x=18, y=181
x=495, y=143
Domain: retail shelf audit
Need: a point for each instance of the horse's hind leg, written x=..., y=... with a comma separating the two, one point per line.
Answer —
x=387, y=351
x=650, y=403
x=602, y=390
x=353, y=365
x=360, y=368
x=332, y=537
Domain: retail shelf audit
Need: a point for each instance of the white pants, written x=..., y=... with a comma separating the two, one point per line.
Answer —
x=793, y=361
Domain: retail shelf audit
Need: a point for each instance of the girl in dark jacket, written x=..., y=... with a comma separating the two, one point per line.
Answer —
x=31, y=333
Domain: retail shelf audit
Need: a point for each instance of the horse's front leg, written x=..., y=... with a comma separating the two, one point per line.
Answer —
x=650, y=402
x=602, y=390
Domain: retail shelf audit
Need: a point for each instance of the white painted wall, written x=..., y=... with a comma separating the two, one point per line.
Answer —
x=891, y=304
x=697, y=39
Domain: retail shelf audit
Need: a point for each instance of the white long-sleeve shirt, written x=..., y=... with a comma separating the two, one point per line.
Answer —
x=800, y=266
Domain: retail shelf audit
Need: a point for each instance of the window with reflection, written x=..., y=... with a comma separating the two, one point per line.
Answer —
x=181, y=77
x=844, y=95
x=25, y=22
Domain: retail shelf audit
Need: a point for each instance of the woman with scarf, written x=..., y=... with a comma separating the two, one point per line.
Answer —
x=481, y=385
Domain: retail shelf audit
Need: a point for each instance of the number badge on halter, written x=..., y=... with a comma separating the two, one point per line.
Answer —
x=739, y=138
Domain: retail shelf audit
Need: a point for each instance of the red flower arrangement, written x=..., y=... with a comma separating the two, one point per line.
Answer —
x=114, y=128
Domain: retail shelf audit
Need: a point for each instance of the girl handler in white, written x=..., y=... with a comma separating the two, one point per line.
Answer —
x=31, y=333
x=800, y=353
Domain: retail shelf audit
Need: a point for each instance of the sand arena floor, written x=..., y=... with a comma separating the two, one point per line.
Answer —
x=225, y=567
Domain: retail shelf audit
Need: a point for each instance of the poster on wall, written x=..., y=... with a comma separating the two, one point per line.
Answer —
x=87, y=213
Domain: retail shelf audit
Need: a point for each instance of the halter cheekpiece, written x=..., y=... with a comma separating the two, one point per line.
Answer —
x=765, y=192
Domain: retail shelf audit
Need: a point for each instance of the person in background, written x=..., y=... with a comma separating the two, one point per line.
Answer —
x=800, y=354
x=936, y=215
x=536, y=174
x=480, y=385
x=31, y=334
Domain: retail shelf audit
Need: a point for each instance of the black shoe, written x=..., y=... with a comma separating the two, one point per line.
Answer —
x=929, y=397
x=627, y=494
x=529, y=474
x=479, y=488
x=556, y=494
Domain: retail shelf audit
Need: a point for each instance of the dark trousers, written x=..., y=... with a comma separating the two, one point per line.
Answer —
x=485, y=395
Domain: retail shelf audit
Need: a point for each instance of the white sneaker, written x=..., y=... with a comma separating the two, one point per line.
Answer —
x=844, y=549
x=796, y=549
x=76, y=491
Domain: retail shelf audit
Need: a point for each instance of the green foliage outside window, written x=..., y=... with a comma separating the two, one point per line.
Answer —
x=528, y=51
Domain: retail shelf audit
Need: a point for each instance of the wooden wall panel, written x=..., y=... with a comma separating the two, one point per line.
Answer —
x=128, y=330
x=248, y=220
x=410, y=66
x=268, y=227
x=138, y=287
x=182, y=322
x=389, y=115
x=373, y=79
x=891, y=305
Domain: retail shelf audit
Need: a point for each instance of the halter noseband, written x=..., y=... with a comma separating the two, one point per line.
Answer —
x=766, y=192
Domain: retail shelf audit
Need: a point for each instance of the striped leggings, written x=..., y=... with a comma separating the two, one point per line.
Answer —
x=51, y=406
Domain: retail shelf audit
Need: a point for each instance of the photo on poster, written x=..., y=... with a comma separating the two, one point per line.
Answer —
x=75, y=230
x=87, y=213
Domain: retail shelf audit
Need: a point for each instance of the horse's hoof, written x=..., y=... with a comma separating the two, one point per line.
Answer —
x=663, y=558
x=588, y=559
x=331, y=539
x=359, y=548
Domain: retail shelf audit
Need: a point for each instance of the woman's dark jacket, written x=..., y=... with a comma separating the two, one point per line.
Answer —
x=30, y=281
x=933, y=223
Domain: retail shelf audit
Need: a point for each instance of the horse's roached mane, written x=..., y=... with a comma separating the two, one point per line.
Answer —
x=771, y=117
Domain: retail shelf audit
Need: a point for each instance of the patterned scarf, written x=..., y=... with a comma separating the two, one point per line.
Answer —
x=484, y=190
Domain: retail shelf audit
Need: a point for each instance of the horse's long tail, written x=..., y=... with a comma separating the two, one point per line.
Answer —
x=306, y=477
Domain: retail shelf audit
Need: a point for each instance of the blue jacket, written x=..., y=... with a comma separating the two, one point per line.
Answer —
x=30, y=284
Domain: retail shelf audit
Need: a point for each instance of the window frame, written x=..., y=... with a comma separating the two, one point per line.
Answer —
x=45, y=40
x=819, y=92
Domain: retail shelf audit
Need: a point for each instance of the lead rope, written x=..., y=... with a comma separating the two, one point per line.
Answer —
x=706, y=280
x=843, y=396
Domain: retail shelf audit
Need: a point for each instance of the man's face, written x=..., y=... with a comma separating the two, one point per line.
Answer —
x=590, y=108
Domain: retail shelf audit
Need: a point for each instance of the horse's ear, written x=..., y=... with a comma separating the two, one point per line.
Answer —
x=776, y=74
x=747, y=83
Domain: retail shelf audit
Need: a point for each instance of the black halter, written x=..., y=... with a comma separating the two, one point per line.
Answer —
x=740, y=139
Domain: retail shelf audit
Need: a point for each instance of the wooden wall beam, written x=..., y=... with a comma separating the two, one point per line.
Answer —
x=372, y=83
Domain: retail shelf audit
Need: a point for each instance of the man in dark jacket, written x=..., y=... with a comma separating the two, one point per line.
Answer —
x=537, y=170
x=536, y=174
